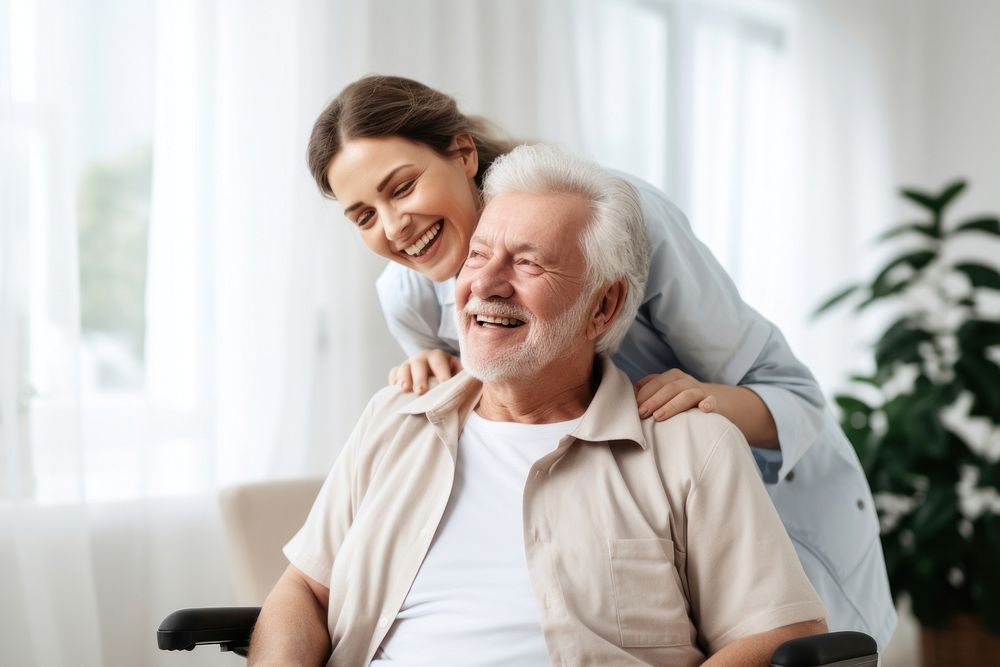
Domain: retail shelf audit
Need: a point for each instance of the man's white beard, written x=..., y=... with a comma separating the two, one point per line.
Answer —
x=546, y=342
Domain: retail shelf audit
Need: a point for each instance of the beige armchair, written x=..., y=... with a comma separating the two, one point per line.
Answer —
x=259, y=518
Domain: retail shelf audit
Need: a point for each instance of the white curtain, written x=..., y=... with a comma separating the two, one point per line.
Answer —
x=252, y=366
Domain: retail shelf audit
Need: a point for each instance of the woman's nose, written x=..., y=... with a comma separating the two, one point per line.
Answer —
x=397, y=226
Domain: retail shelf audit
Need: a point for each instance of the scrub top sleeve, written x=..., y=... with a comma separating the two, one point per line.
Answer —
x=695, y=306
x=795, y=401
x=411, y=309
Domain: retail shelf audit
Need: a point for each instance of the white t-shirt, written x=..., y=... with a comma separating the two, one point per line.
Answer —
x=472, y=602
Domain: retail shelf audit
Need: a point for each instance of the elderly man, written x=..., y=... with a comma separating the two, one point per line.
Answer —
x=522, y=513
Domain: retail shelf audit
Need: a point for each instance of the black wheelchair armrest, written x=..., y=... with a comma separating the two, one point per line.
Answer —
x=844, y=649
x=230, y=627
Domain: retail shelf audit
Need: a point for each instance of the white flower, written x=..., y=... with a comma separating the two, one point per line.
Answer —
x=955, y=285
x=979, y=434
x=922, y=298
x=892, y=508
x=903, y=378
x=965, y=528
x=948, y=345
x=945, y=319
x=879, y=423
x=955, y=577
x=973, y=500
x=987, y=304
x=900, y=273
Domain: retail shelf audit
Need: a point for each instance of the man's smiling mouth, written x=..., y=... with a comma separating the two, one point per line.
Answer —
x=510, y=322
x=425, y=241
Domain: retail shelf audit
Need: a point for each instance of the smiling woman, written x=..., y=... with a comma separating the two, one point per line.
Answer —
x=413, y=205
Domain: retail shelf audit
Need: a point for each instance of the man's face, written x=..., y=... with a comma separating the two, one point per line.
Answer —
x=520, y=297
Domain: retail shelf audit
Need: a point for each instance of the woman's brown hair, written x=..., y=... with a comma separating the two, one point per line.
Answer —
x=386, y=106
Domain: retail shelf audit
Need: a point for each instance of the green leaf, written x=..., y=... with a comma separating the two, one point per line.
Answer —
x=982, y=378
x=926, y=230
x=980, y=275
x=834, y=300
x=928, y=201
x=917, y=261
x=989, y=225
x=900, y=344
x=950, y=192
x=850, y=404
x=975, y=336
x=881, y=287
x=864, y=379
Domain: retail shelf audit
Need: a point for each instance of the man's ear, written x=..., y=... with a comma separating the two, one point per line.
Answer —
x=607, y=309
x=464, y=147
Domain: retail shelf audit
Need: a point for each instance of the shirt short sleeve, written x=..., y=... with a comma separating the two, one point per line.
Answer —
x=743, y=573
x=314, y=547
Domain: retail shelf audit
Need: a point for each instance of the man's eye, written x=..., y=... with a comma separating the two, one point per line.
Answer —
x=404, y=188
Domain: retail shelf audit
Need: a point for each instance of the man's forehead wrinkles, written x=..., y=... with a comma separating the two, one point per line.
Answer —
x=503, y=237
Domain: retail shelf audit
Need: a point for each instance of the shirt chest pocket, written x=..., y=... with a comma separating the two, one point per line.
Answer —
x=650, y=606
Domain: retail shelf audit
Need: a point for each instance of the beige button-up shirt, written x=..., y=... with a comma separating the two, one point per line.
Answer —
x=646, y=542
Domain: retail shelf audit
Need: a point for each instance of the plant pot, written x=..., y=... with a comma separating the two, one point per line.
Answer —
x=963, y=642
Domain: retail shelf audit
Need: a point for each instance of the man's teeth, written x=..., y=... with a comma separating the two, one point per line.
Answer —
x=503, y=321
x=424, y=240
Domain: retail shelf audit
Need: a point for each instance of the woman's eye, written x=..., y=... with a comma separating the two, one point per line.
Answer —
x=404, y=188
x=364, y=218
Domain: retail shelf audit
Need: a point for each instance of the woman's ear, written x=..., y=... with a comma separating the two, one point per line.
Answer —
x=465, y=147
x=607, y=309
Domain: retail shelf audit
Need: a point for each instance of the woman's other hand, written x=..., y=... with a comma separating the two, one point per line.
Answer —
x=664, y=395
x=415, y=373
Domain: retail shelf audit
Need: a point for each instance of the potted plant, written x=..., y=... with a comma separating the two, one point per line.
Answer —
x=926, y=426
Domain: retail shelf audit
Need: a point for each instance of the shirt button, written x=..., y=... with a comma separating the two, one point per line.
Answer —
x=790, y=476
x=861, y=504
x=424, y=532
x=383, y=623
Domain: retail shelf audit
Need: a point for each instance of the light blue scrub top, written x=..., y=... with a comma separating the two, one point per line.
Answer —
x=692, y=318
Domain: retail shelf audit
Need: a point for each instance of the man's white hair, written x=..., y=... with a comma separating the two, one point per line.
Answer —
x=614, y=242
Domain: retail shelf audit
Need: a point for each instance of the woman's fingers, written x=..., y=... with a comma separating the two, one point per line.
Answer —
x=685, y=400
x=667, y=394
x=440, y=363
x=415, y=373
x=401, y=376
x=419, y=372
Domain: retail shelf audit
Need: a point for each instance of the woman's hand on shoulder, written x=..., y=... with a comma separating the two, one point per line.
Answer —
x=664, y=395
x=415, y=373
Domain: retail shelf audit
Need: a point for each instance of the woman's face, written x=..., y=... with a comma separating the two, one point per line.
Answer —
x=410, y=203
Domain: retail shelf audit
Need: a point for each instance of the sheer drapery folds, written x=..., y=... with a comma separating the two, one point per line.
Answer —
x=167, y=317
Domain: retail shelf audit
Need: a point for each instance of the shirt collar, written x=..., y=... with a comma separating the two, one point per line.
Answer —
x=612, y=415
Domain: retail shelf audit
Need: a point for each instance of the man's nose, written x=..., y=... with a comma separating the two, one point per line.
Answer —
x=492, y=281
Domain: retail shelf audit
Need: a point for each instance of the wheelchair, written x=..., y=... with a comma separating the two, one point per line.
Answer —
x=256, y=517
